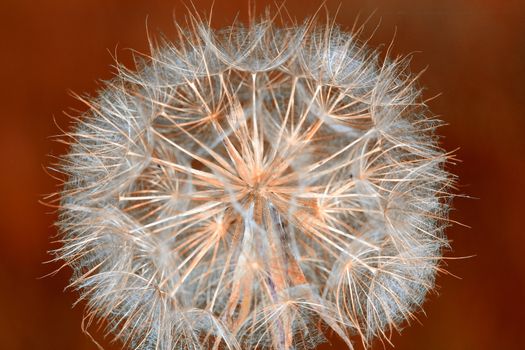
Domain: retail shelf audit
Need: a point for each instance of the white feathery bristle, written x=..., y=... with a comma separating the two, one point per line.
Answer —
x=252, y=188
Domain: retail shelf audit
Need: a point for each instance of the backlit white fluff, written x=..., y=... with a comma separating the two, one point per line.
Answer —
x=254, y=187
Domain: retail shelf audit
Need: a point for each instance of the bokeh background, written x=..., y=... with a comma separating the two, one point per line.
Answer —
x=475, y=53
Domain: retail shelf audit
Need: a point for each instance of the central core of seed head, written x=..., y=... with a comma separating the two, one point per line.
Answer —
x=257, y=188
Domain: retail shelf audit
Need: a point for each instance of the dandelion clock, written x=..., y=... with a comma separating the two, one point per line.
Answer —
x=254, y=187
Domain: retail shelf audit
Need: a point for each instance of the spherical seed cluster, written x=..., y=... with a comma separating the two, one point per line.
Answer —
x=252, y=188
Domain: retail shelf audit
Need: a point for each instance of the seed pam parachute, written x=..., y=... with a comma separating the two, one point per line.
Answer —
x=254, y=187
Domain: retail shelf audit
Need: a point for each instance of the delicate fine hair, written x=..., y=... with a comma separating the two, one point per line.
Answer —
x=259, y=186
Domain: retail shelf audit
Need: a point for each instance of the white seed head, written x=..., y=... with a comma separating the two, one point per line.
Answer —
x=253, y=188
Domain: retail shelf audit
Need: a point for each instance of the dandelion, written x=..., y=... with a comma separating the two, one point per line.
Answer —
x=254, y=188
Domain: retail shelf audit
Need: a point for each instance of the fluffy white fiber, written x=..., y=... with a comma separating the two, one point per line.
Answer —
x=254, y=188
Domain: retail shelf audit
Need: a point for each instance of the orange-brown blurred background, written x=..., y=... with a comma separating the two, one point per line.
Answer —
x=475, y=52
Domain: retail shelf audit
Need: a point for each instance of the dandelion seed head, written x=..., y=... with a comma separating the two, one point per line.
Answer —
x=254, y=187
